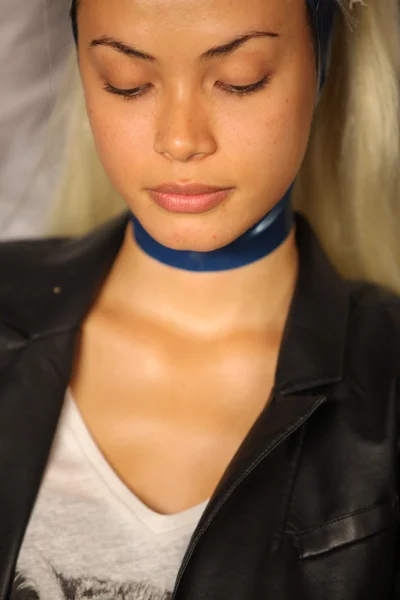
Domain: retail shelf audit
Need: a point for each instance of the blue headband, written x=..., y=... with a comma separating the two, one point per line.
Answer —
x=322, y=15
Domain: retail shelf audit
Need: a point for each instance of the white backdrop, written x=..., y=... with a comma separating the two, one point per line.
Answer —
x=35, y=39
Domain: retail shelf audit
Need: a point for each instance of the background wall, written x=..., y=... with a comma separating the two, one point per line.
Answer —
x=35, y=39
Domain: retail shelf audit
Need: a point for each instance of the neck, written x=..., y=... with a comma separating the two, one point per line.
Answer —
x=256, y=296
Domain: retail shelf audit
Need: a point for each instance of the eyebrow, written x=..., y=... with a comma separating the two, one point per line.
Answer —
x=216, y=51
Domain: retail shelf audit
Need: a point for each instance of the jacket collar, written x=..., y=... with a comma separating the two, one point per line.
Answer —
x=313, y=345
x=58, y=282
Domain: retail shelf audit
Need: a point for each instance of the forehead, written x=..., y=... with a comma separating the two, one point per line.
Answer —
x=200, y=16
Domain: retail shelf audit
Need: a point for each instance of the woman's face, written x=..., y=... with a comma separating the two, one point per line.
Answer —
x=186, y=122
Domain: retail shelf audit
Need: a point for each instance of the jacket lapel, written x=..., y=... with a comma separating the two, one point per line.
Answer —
x=32, y=391
x=279, y=419
x=249, y=508
x=314, y=340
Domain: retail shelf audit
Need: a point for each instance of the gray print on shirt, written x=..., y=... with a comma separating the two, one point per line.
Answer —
x=84, y=588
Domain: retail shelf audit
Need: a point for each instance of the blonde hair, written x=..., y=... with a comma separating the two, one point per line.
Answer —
x=349, y=183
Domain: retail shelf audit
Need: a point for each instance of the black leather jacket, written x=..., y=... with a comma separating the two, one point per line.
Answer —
x=307, y=508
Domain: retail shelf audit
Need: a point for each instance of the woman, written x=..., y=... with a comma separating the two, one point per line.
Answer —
x=194, y=403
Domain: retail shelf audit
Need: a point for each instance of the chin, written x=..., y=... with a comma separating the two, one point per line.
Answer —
x=189, y=233
x=199, y=243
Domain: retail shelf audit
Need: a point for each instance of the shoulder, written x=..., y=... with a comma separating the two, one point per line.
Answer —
x=29, y=266
x=27, y=270
x=373, y=335
x=26, y=256
x=48, y=284
x=374, y=303
x=25, y=260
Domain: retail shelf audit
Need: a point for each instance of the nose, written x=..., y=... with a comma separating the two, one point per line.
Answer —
x=184, y=131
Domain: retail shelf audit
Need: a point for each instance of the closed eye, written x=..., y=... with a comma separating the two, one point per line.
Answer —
x=129, y=93
x=237, y=90
x=243, y=90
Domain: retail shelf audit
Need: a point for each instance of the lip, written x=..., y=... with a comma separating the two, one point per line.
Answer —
x=193, y=198
x=187, y=189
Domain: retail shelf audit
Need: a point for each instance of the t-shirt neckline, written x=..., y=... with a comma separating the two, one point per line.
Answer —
x=153, y=520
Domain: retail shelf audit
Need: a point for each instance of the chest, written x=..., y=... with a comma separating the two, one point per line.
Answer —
x=169, y=412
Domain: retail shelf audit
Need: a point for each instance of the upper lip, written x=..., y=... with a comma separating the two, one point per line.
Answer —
x=187, y=188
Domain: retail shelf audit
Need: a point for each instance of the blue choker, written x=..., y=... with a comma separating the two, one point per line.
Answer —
x=259, y=241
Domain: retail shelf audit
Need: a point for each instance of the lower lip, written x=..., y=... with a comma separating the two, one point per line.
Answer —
x=189, y=203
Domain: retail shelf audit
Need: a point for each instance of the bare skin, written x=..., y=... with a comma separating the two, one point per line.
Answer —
x=174, y=367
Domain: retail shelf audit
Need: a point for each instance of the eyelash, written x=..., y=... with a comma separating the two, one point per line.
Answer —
x=235, y=90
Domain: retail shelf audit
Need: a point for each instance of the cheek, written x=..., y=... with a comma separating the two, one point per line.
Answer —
x=273, y=139
x=122, y=140
x=282, y=126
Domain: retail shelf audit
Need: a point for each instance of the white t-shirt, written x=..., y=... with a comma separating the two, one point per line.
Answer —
x=90, y=537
